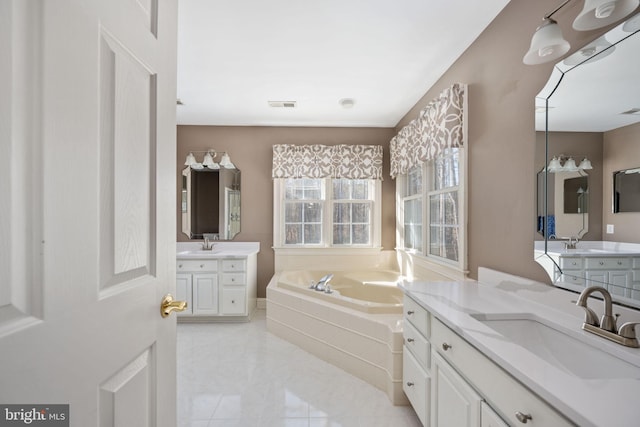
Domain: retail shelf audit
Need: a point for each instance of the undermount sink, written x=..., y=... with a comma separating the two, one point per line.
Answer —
x=197, y=252
x=564, y=351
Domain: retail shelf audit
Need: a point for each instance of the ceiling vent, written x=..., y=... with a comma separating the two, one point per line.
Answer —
x=632, y=111
x=283, y=104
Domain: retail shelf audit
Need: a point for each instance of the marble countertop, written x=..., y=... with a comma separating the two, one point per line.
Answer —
x=588, y=248
x=587, y=402
x=193, y=250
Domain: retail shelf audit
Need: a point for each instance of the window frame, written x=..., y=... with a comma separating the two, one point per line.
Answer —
x=326, y=241
x=429, y=190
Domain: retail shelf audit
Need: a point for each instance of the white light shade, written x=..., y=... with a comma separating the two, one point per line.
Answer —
x=554, y=165
x=600, y=13
x=190, y=160
x=225, y=161
x=547, y=44
x=585, y=164
x=208, y=160
x=593, y=52
x=570, y=165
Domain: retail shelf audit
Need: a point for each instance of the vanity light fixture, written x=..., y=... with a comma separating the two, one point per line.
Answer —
x=548, y=43
x=208, y=161
x=556, y=164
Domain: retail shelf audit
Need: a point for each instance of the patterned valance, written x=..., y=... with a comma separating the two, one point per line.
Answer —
x=327, y=161
x=438, y=126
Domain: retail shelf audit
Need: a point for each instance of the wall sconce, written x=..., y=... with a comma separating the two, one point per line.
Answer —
x=548, y=43
x=556, y=164
x=208, y=161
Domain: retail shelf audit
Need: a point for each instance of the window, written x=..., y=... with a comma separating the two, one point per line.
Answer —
x=328, y=212
x=438, y=206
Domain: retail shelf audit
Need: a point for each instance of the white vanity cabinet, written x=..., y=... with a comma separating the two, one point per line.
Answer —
x=464, y=387
x=220, y=286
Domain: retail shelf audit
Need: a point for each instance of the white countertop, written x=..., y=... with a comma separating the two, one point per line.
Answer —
x=588, y=248
x=587, y=402
x=193, y=250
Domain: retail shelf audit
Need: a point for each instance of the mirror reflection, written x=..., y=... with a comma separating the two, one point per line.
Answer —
x=211, y=203
x=588, y=219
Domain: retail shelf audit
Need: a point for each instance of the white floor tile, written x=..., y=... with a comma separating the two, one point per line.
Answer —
x=241, y=375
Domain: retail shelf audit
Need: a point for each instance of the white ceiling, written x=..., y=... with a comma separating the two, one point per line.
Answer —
x=236, y=55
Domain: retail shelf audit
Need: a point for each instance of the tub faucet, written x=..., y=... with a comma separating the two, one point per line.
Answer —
x=606, y=328
x=323, y=282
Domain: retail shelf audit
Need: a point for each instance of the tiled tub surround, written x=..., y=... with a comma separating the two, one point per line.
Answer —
x=367, y=345
x=601, y=399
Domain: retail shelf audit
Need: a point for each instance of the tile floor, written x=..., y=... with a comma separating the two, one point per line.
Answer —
x=241, y=375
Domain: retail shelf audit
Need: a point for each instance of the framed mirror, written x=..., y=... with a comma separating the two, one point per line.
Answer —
x=211, y=203
x=586, y=216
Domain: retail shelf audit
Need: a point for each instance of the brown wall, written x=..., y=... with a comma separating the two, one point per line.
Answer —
x=250, y=149
x=620, y=152
x=501, y=136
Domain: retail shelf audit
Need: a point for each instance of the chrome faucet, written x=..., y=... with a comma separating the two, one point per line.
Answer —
x=323, y=283
x=571, y=243
x=606, y=327
x=208, y=244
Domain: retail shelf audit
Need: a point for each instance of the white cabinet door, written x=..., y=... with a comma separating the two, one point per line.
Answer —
x=416, y=385
x=87, y=211
x=234, y=301
x=453, y=402
x=184, y=293
x=489, y=417
x=205, y=294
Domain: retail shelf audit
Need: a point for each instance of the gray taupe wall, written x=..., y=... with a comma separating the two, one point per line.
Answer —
x=250, y=149
x=502, y=138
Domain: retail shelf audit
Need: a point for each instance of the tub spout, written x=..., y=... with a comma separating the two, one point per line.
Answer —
x=323, y=282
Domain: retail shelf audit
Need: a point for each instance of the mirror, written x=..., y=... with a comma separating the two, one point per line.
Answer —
x=211, y=203
x=590, y=107
x=567, y=204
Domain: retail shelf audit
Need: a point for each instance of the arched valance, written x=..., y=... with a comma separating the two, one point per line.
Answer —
x=327, y=161
x=439, y=125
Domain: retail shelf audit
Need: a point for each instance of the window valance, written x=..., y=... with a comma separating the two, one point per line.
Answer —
x=327, y=161
x=439, y=125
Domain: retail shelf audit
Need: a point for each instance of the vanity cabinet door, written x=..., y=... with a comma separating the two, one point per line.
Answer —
x=234, y=301
x=489, y=417
x=416, y=385
x=205, y=294
x=453, y=402
x=183, y=293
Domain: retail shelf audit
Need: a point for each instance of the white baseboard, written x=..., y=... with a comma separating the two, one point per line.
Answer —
x=261, y=304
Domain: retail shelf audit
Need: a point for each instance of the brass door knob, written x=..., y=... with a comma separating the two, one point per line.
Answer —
x=169, y=305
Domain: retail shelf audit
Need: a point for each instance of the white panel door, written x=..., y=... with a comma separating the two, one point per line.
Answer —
x=87, y=219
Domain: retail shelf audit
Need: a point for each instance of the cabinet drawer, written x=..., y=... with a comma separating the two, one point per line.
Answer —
x=234, y=301
x=417, y=344
x=417, y=315
x=416, y=385
x=636, y=262
x=569, y=263
x=608, y=263
x=574, y=278
x=233, y=265
x=503, y=392
x=233, y=278
x=196, y=265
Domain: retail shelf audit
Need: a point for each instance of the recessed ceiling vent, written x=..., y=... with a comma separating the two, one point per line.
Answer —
x=283, y=104
x=632, y=111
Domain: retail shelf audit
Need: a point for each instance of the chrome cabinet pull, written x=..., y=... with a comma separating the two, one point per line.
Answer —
x=409, y=384
x=523, y=418
x=445, y=346
x=410, y=340
x=410, y=312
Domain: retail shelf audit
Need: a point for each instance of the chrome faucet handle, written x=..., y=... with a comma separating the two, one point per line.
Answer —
x=628, y=330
